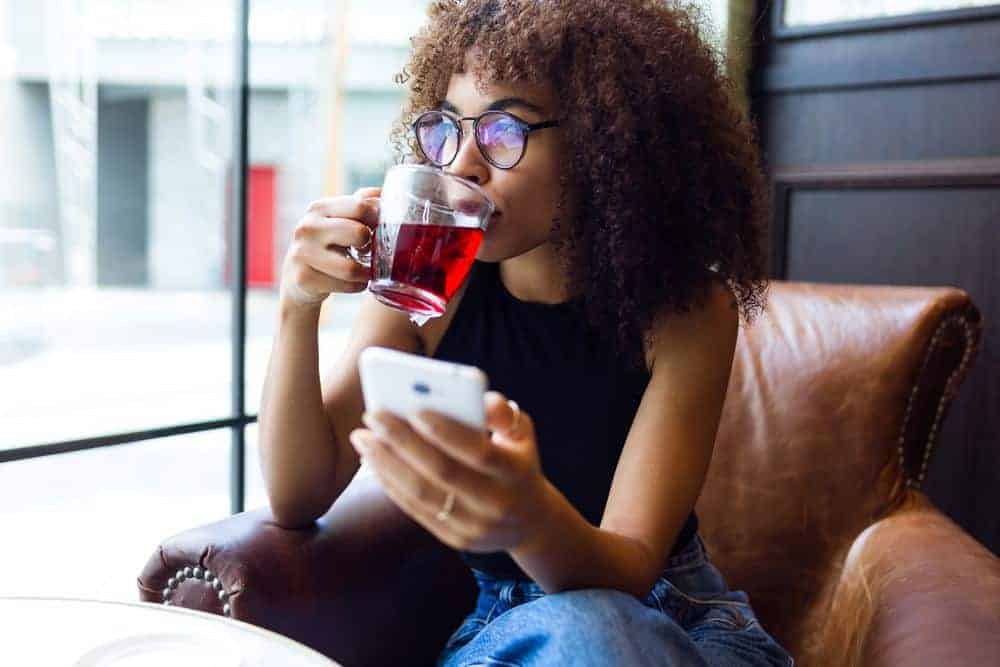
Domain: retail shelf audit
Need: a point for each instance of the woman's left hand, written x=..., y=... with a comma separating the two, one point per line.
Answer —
x=497, y=479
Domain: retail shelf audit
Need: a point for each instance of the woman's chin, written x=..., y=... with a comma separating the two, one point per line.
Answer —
x=491, y=251
x=487, y=252
x=490, y=248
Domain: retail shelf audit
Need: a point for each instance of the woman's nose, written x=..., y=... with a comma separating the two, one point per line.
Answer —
x=470, y=163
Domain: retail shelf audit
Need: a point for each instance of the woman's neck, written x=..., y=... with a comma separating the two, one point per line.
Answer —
x=535, y=276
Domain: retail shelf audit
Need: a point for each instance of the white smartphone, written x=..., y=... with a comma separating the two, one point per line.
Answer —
x=404, y=384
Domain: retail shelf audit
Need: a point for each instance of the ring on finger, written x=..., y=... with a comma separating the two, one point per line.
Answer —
x=449, y=503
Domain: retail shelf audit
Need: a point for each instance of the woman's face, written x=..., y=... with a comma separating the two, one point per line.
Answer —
x=526, y=196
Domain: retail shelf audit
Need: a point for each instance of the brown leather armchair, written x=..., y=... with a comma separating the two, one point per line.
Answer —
x=812, y=505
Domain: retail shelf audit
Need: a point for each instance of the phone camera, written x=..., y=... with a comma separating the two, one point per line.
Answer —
x=421, y=388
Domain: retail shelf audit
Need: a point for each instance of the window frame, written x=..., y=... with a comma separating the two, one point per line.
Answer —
x=968, y=14
x=239, y=418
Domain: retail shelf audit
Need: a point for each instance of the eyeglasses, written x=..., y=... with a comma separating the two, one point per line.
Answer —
x=501, y=136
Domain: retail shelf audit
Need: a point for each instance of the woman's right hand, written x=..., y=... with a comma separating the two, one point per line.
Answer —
x=317, y=263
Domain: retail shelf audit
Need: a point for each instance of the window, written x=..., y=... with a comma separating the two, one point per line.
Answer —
x=322, y=130
x=83, y=524
x=814, y=12
x=115, y=317
x=117, y=276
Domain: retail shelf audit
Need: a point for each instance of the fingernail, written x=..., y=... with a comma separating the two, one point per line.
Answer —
x=358, y=441
x=373, y=422
x=424, y=420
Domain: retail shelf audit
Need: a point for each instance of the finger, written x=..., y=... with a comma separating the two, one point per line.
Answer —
x=431, y=462
x=471, y=446
x=421, y=507
x=371, y=446
x=315, y=285
x=353, y=208
x=501, y=416
x=312, y=281
x=369, y=191
x=369, y=212
x=508, y=421
x=336, y=264
x=444, y=530
x=343, y=232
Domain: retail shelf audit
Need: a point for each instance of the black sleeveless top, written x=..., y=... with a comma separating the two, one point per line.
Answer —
x=581, y=395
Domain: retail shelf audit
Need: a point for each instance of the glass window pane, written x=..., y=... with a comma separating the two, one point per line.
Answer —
x=84, y=524
x=114, y=305
x=813, y=12
x=322, y=103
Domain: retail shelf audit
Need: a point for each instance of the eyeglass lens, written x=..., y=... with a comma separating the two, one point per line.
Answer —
x=501, y=137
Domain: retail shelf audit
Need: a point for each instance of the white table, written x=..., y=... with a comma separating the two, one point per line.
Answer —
x=91, y=633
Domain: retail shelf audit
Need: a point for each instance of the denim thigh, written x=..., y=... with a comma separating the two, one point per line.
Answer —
x=721, y=622
x=690, y=592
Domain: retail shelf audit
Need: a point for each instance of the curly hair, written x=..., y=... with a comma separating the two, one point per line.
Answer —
x=662, y=164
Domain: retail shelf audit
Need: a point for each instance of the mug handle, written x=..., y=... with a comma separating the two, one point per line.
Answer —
x=363, y=255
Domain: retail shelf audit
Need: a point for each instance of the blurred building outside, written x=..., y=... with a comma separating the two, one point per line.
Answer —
x=118, y=115
x=114, y=223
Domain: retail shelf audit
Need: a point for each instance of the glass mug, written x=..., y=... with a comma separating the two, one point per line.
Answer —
x=430, y=225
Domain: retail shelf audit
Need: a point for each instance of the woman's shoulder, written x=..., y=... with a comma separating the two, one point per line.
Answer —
x=711, y=322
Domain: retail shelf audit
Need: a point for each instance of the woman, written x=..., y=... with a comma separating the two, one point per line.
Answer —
x=604, y=306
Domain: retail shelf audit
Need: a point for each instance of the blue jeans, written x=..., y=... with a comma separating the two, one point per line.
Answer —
x=689, y=617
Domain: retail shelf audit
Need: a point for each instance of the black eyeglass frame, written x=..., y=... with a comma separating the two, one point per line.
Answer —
x=525, y=125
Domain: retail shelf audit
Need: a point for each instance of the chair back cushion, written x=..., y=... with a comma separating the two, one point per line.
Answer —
x=835, y=399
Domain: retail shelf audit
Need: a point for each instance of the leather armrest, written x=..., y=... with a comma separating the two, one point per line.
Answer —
x=915, y=590
x=365, y=585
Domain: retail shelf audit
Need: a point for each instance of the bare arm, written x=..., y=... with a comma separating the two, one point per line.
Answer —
x=304, y=456
x=294, y=435
x=306, y=459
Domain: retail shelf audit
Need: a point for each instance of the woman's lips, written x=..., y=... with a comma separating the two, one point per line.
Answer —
x=471, y=207
x=468, y=206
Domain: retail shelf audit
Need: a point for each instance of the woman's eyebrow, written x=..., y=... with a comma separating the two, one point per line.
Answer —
x=499, y=105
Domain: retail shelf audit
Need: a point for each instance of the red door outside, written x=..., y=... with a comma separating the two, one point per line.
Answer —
x=260, y=228
x=260, y=237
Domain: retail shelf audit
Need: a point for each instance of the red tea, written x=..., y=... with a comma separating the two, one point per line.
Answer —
x=418, y=267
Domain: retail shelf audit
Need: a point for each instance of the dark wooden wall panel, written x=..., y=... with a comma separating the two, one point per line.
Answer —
x=883, y=143
x=932, y=49
x=848, y=236
x=900, y=123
